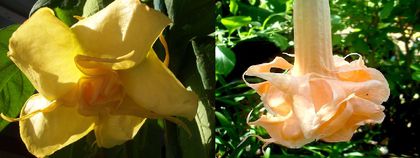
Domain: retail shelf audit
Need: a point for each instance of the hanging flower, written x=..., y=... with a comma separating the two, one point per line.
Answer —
x=101, y=74
x=321, y=96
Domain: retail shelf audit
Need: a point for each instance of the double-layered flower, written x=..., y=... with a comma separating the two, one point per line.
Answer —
x=321, y=96
x=101, y=74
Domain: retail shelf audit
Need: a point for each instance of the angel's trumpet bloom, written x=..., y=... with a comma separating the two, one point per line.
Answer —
x=321, y=96
x=101, y=74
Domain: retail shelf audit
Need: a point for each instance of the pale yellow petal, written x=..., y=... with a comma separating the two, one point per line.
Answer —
x=129, y=107
x=153, y=86
x=44, y=133
x=112, y=130
x=120, y=28
x=43, y=48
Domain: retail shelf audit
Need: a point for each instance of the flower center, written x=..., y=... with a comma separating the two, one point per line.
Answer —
x=99, y=94
x=100, y=90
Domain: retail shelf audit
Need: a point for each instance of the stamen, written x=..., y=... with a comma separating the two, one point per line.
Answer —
x=165, y=45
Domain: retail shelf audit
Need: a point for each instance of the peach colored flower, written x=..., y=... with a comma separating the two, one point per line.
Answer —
x=321, y=96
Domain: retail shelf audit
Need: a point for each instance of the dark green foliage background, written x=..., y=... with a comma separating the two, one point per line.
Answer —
x=384, y=32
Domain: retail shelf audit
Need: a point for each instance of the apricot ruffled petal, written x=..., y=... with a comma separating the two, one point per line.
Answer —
x=303, y=108
x=285, y=132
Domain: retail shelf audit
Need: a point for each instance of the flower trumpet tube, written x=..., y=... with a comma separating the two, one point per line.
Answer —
x=100, y=75
x=320, y=96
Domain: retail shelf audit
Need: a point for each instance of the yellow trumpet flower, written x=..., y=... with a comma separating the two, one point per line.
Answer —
x=321, y=96
x=101, y=74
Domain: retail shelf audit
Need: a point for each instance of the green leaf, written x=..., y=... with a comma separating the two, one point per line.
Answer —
x=255, y=12
x=15, y=89
x=279, y=40
x=224, y=122
x=64, y=10
x=336, y=39
x=234, y=22
x=386, y=11
x=66, y=4
x=66, y=15
x=416, y=76
x=225, y=60
x=277, y=5
x=191, y=53
x=42, y=3
x=415, y=67
x=359, y=46
x=267, y=152
x=93, y=6
x=233, y=7
x=201, y=142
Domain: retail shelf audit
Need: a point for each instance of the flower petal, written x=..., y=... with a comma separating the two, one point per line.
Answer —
x=364, y=111
x=337, y=122
x=276, y=103
x=278, y=62
x=129, y=107
x=262, y=87
x=343, y=134
x=284, y=132
x=152, y=85
x=43, y=48
x=112, y=130
x=44, y=133
x=120, y=28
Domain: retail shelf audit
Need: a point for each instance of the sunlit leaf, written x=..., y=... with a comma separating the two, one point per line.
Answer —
x=191, y=59
x=202, y=138
x=233, y=6
x=279, y=40
x=225, y=60
x=235, y=22
x=415, y=67
x=386, y=11
x=416, y=76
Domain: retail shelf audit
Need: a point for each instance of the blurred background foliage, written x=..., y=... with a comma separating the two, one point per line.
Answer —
x=384, y=32
x=191, y=60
